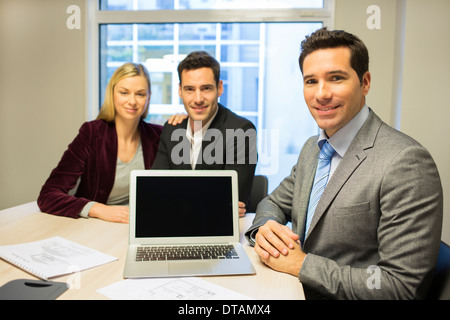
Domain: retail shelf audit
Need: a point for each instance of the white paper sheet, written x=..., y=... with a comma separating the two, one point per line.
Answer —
x=53, y=257
x=189, y=288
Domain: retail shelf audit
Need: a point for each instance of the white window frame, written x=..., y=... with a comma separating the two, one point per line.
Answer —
x=95, y=17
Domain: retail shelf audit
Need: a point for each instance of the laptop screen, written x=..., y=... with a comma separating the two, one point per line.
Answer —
x=183, y=206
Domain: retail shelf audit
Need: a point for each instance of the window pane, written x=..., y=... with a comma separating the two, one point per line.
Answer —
x=116, y=5
x=119, y=32
x=240, y=53
x=161, y=87
x=198, y=31
x=119, y=53
x=186, y=49
x=240, y=88
x=136, y=5
x=249, y=4
x=155, y=31
x=207, y=4
x=154, y=52
x=155, y=4
x=237, y=31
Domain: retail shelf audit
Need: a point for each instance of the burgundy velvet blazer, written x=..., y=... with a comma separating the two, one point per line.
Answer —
x=92, y=156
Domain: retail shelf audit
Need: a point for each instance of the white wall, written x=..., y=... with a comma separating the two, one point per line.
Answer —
x=425, y=111
x=42, y=93
x=410, y=66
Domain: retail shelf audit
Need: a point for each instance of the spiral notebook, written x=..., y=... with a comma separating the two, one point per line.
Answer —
x=53, y=257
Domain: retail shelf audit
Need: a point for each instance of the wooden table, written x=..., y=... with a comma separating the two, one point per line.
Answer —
x=26, y=223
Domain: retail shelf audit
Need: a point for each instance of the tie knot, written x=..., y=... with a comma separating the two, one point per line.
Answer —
x=327, y=151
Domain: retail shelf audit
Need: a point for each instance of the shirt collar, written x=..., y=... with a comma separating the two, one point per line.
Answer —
x=342, y=139
x=189, y=133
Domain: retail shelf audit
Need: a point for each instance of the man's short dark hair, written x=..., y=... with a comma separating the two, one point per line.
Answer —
x=200, y=59
x=326, y=39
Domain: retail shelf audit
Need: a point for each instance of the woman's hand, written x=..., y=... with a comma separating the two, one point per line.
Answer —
x=101, y=211
x=177, y=118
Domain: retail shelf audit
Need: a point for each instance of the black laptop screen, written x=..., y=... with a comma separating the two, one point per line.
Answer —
x=183, y=206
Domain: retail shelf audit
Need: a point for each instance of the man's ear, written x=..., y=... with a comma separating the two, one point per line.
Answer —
x=220, y=88
x=366, y=82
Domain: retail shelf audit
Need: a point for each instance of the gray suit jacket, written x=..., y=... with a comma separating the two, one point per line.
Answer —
x=376, y=230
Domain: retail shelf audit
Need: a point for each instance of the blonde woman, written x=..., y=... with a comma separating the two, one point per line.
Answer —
x=104, y=152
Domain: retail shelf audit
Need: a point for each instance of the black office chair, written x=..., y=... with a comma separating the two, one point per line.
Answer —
x=259, y=191
x=440, y=287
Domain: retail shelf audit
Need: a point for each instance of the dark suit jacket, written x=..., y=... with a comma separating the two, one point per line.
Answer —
x=220, y=149
x=92, y=156
x=376, y=230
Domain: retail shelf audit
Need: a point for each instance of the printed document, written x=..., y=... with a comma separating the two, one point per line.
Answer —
x=53, y=257
x=189, y=288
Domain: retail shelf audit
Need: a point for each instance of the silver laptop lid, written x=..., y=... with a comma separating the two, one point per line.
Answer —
x=183, y=206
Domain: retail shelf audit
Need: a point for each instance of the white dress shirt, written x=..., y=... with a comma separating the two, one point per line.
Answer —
x=195, y=137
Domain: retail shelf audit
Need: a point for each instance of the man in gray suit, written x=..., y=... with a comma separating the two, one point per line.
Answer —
x=212, y=137
x=376, y=230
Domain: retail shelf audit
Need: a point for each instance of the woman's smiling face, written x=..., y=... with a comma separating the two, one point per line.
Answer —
x=131, y=97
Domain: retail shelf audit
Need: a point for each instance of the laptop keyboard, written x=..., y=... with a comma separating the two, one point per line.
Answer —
x=201, y=252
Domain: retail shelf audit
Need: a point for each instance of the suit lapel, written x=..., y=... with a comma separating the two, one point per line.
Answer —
x=354, y=156
x=168, y=131
x=306, y=180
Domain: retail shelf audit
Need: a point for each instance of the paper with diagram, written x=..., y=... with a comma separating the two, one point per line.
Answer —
x=53, y=257
x=189, y=288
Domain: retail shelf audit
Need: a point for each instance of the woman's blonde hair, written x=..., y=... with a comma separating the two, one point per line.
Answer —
x=127, y=70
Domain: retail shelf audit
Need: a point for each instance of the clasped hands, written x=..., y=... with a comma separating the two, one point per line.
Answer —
x=279, y=248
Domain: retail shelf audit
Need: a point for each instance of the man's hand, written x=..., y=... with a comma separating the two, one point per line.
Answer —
x=290, y=263
x=279, y=248
x=273, y=239
x=242, y=209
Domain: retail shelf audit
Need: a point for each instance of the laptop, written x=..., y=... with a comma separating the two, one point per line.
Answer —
x=184, y=223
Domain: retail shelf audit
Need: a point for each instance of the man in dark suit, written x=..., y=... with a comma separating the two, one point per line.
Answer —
x=375, y=232
x=212, y=137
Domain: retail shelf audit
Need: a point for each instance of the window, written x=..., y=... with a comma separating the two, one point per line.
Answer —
x=257, y=49
x=207, y=4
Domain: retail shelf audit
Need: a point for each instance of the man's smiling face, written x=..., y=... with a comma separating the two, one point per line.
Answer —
x=331, y=87
x=200, y=94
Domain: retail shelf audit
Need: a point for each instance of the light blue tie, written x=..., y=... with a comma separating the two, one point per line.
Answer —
x=320, y=181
